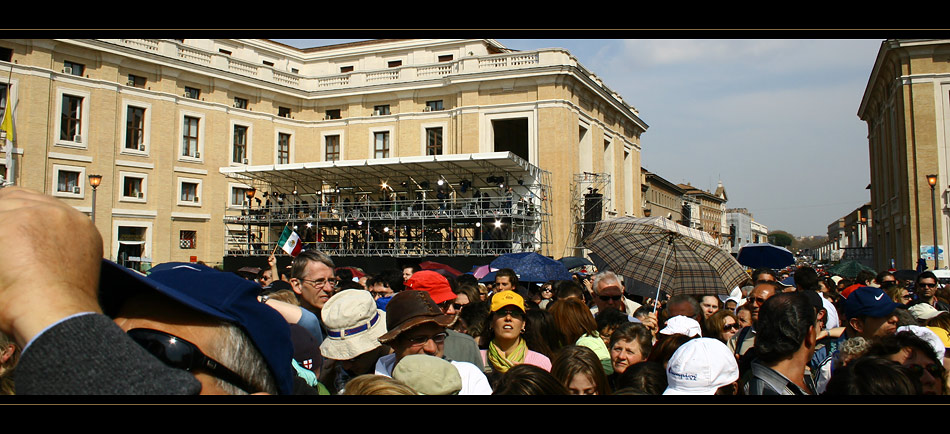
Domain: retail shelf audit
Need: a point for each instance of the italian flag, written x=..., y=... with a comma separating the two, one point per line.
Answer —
x=290, y=242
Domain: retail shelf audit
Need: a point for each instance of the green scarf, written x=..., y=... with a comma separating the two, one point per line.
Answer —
x=500, y=362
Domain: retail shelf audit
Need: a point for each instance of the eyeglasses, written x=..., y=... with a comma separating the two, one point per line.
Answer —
x=732, y=326
x=610, y=297
x=927, y=285
x=181, y=354
x=320, y=283
x=515, y=313
x=545, y=289
x=759, y=300
x=418, y=341
x=934, y=369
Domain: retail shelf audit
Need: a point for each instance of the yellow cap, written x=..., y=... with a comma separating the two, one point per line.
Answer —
x=506, y=298
x=942, y=334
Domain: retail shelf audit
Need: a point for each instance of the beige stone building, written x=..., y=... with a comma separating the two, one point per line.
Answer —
x=906, y=105
x=162, y=119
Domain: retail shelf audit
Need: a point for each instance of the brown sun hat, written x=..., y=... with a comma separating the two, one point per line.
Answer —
x=408, y=309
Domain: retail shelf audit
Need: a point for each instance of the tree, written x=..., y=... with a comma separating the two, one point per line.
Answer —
x=781, y=238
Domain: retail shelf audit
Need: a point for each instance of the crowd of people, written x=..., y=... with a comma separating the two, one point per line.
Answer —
x=317, y=329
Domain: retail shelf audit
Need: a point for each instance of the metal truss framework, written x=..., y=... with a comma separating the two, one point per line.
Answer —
x=457, y=205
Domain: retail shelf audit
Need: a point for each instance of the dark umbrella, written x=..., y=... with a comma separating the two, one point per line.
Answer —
x=532, y=267
x=906, y=275
x=765, y=255
x=849, y=269
x=572, y=262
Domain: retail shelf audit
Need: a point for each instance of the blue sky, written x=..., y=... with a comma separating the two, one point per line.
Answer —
x=775, y=120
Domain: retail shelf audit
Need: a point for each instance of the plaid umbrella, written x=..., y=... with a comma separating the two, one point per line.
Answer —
x=666, y=255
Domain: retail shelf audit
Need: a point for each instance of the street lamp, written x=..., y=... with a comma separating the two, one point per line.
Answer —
x=94, y=181
x=932, y=180
x=249, y=194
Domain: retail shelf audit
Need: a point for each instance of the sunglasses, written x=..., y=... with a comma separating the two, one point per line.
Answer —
x=927, y=285
x=610, y=297
x=732, y=326
x=515, y=313
x=181, y=354
x=445, y=305
x=934, y=369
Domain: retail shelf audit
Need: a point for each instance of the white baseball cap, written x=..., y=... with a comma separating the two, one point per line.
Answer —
x=700, y=367
x=683, y=325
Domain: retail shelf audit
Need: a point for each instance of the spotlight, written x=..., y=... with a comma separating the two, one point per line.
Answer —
x=478, y=224
x=360, y=223
x=384, y=185
x=309, y=225
x=497, y=223
x=441, y=182
x=386, y=229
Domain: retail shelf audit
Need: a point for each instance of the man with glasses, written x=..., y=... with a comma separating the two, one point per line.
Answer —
x=926, y=289
x=608, y=293
x=458, y=346
x=417, y=325
x=314, y=281
x=745, y=339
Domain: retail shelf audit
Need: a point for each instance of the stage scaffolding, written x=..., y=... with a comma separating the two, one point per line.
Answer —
x=484, y=204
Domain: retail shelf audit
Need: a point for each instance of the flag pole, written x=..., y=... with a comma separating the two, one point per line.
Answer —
x=276, y=244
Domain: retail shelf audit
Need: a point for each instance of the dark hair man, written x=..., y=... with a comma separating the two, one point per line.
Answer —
x=787, y=331
x=763, y=274
x=806, y=279
x=506, y=280
x=926, y=289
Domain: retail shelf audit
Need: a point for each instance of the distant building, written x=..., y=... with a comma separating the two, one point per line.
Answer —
x=747, y=230
x=661, y=198
x=706, y=209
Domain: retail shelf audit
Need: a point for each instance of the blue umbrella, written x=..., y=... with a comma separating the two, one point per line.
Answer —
x=765, y=255
x=532, y=267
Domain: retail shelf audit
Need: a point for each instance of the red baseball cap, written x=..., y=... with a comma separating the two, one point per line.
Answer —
x=434, y=283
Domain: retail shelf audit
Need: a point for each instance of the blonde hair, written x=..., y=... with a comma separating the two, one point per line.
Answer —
x=377, y=385
x=286, y=296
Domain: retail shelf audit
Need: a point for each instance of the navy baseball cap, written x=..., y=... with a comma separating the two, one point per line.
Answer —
x=869, y=301
x=221, y=295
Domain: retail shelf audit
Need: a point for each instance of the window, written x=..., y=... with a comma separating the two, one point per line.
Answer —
x=445, y=58
x=395, y=63
x=136, y=81
x=381, y=110
x=283, y=148
x=74, y=68
x=238, y=196
x=223, y=51
x=381, y=144
x=268, y=63
x=193, y=93
x=6, y=54
x=434, y=141
x=189, y=140
x=432, y=106
x=189, y=192
x=71, y=122
x=187, y=239
x=135, y=128
x=69, y=181
x=239, y=151
x=240, y=103
x=345, y=69
x=283, y=112
x=332, y=114
x=295, y=70
x=332, y=148
x=133, y=186
x=3, y=98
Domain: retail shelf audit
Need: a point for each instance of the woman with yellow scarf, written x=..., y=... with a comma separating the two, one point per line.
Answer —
x=507, y=348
